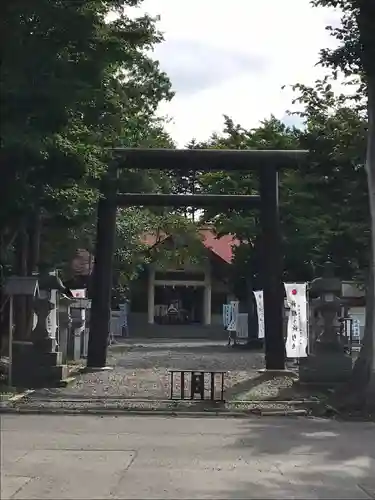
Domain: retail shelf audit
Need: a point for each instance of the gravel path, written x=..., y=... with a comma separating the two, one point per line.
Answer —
x=141, y=370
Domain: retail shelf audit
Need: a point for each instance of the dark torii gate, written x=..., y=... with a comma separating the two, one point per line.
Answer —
x=266, y=162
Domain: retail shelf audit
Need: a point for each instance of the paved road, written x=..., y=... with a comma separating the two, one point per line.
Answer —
x=77, y=457
x=141, y=368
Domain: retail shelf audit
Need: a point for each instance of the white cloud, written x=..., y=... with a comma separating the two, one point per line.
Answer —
x=233, y=56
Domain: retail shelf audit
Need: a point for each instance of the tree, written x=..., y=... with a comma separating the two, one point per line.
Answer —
x=334, y=180
x=71, y=219
x=73, y=84
x=317, y=217
x=355, y=56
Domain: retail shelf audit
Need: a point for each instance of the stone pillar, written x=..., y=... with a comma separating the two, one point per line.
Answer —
x=207, y=304
x=65, y=323
x=151, y=296
x=207, y=295
x=52, y=319
x=78, y=325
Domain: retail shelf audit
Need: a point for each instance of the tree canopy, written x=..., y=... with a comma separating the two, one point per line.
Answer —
x=74, y=83
x=324, y=207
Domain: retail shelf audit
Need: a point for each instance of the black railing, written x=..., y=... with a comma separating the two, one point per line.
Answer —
x=187, y=384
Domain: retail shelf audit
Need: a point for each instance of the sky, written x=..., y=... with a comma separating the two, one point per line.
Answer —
x=233, y=57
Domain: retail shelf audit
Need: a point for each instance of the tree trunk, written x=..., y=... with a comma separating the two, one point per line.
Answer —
x=34, y=232
x=20, y=314
x=361, y=389
x=357, y=392
x=366, y=23
x=33, y=253
x=370, y=302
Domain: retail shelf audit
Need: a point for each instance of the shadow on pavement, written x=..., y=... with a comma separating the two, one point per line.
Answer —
x=324, y=459
x=247, y=385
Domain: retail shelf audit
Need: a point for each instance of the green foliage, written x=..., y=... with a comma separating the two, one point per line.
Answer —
x=335, y=134
x=324, y=207
x=73, y=84
x=355, y=54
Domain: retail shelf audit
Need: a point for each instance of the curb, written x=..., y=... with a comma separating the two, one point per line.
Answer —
x=286, y=372
x=154, y=413
x=275, y=401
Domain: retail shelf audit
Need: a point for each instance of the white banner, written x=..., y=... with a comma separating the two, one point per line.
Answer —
x=297, y=334
x=260, y=310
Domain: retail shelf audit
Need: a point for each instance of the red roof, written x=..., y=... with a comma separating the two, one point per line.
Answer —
x=223, y=246
x=220, y=246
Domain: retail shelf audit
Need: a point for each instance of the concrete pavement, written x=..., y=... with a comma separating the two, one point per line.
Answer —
x=89, y=457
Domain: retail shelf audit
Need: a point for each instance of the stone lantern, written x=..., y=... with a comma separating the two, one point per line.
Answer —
x=327, y=361
x=42, y=363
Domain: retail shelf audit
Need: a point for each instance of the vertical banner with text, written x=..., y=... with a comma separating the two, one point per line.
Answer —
x=260, y=310
x=297, y=333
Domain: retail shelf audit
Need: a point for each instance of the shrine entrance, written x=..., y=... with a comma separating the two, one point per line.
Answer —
x=267, y=163
x=181, y=305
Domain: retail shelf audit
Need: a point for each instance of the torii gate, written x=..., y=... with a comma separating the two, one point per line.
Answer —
x=266, y=162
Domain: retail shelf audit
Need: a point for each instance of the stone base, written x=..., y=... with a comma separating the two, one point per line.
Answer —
x=32, y=368
x=45, y=345
x=325, y=368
